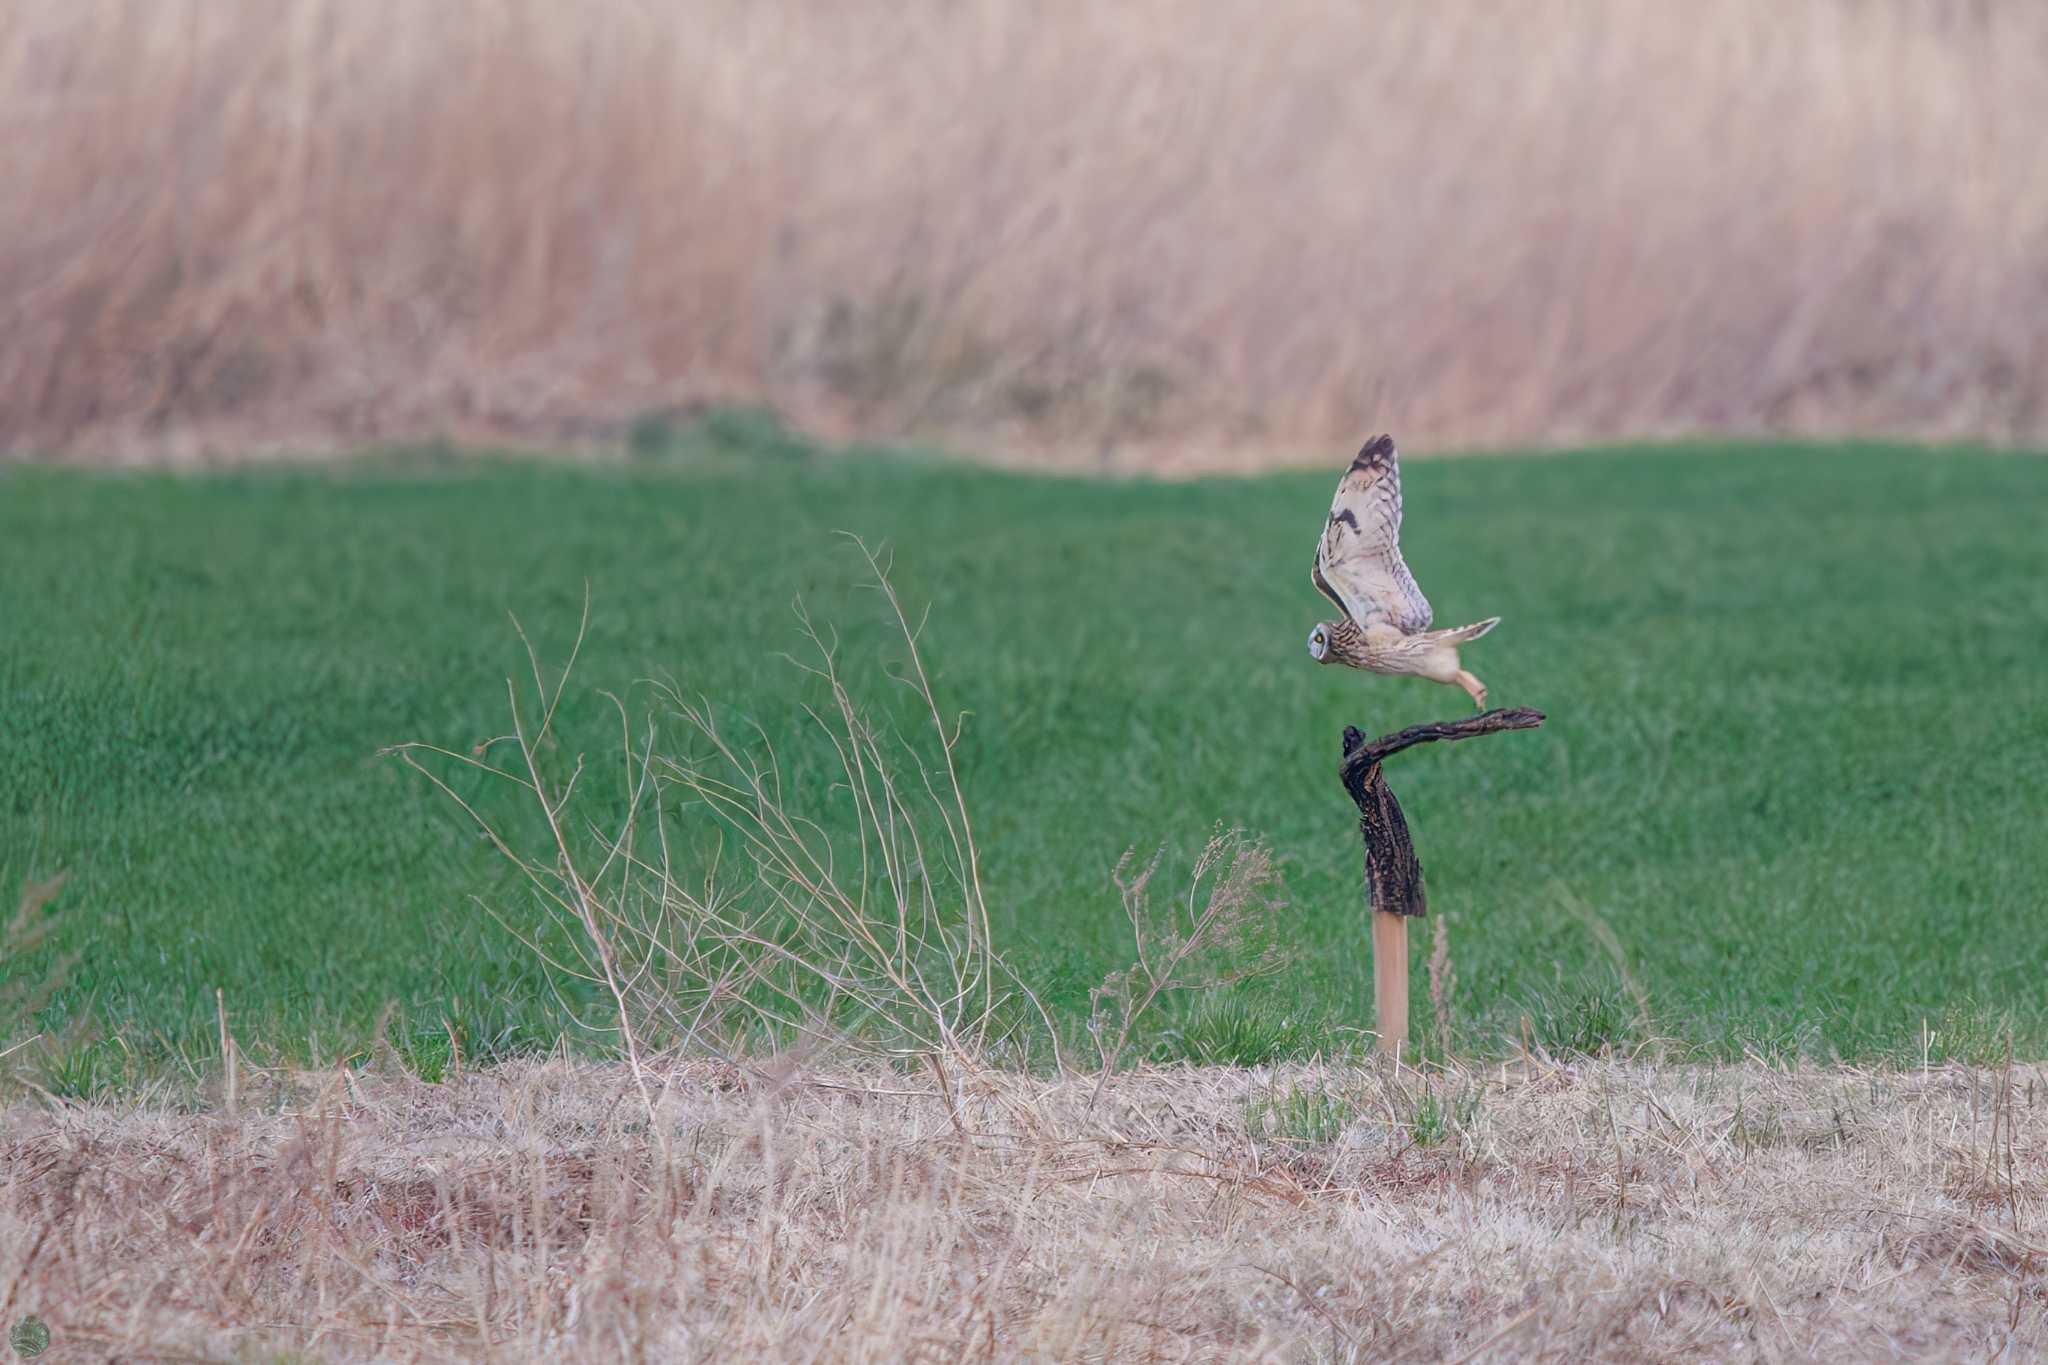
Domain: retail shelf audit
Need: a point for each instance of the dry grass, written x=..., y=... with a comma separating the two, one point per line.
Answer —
x=1595, y=1211
x=1100, y=233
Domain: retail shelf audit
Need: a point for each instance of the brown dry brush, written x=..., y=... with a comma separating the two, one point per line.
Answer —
x=1113, y=232
x=1602, y=1210
x=723, y=908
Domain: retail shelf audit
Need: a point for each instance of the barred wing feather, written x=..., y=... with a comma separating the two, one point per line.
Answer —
x=1358, y=562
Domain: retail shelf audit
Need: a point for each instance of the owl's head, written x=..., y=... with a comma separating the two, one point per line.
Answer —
x=1319, y=642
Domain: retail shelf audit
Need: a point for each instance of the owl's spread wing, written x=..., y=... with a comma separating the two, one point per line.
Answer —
x=1358, y=562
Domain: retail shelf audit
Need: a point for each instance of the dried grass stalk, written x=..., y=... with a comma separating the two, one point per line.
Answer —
x=1224, y=931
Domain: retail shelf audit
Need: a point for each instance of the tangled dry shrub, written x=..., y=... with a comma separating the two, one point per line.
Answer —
x=716, y=905
x=1598, y=1211
x=1140, y=232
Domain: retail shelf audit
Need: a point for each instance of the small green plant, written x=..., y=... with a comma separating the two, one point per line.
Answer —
x=1428, y=1123
x=1967, y=1032
x=1435, y=1118
x=85, y=1070
x=1589, y=1019
x=1313, y=1115
x=427, y=1057
x=1229, y=1030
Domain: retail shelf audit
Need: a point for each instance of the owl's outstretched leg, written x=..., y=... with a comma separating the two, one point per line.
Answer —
x=1473, y=687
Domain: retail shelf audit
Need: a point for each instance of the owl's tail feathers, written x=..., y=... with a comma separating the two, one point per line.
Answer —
x=1471, y=632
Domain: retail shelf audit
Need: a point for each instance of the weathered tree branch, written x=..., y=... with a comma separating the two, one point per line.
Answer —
x=1393, y=874
x=1386, y=746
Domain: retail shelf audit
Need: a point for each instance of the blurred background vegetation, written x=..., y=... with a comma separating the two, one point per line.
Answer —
x=1141, y=235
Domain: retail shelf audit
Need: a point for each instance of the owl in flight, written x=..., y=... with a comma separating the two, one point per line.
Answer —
x=1358, y=565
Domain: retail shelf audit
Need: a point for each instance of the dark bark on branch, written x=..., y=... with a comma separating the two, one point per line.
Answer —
x=1393, y=875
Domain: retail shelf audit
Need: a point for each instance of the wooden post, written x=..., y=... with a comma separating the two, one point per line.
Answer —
x=1393, y=875
x=1390, y=981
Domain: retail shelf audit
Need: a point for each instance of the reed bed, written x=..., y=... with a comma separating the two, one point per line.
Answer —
x=1103, y=236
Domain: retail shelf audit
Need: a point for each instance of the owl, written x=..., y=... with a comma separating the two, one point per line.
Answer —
x=1358, y=565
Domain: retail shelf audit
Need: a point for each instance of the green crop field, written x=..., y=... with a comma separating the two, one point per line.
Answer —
x=1789, y=796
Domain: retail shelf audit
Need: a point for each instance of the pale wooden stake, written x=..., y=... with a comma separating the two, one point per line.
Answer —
x=1390, y=982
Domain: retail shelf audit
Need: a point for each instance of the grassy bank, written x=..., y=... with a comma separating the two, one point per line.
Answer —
x=1787, y=798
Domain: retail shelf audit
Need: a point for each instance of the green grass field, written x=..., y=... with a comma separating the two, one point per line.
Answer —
x=1794, y=765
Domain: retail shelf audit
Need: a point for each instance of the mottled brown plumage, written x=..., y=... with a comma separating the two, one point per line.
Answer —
x=1358, y=565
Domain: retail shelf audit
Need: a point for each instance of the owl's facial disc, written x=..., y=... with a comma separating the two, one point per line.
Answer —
x=1319, y=643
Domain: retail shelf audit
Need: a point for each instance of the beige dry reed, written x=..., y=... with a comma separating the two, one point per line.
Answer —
x=1133, y=233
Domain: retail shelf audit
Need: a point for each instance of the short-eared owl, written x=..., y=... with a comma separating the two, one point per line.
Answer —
x=1358, y=566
